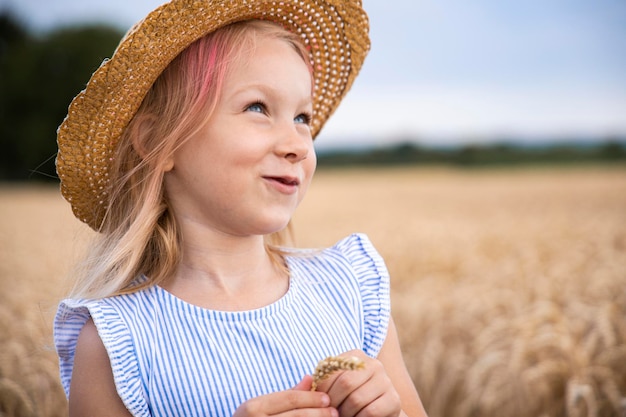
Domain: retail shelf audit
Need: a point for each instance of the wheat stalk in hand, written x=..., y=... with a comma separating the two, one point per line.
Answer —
x=331, y=364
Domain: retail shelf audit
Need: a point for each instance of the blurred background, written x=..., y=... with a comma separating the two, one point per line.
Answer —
x=446, y=81
x=485, y=143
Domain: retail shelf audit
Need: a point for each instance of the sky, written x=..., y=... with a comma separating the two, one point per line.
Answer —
x=454, y=71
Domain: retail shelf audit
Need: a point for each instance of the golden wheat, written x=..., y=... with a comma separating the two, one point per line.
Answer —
x=326, y=367
x=508, y=286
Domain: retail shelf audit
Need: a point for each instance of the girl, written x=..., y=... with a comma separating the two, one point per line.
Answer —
x=189, y=152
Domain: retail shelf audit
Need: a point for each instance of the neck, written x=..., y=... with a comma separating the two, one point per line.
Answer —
x=226, y=272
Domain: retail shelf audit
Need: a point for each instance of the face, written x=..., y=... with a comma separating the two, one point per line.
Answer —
x=247, y=169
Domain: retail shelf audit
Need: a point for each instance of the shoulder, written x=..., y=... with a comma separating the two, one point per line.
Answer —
x=362, y=257
x=352, y=259
x=352, y=249
x=354, y=255
x=108, y=314
x=103, y=331
x=89, y=340
x=113, y=317
x=358, y=248
x=352, y=272
x=373, y=280
x=92, y=384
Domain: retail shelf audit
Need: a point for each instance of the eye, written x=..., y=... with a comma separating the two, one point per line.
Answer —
x=257, y=107
x=303, y=118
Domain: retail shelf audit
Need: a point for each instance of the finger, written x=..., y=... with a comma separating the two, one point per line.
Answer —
x=388, y=405
x=305, y=384
x=365, y=397
x=374, y=393
x=293, y=399
x=345, y=383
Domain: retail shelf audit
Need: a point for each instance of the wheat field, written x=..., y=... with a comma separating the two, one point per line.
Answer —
x=508, y=285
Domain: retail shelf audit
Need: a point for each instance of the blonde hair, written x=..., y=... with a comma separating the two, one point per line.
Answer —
x=139, y=235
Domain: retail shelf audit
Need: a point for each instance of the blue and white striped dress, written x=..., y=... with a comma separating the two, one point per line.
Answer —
x=171, y=358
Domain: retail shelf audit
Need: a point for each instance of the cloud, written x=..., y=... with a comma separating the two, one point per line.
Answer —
x=459, y=114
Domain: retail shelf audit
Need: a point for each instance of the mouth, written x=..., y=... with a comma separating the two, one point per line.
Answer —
x=292, y=181
x=283, y=184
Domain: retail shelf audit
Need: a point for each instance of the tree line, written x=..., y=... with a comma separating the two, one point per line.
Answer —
x=39, y=76
x=610, y=150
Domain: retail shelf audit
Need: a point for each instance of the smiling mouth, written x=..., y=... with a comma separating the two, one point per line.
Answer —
x=285, y=180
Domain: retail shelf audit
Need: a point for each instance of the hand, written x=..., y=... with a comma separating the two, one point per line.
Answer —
x=365, y=392
x=299, y=401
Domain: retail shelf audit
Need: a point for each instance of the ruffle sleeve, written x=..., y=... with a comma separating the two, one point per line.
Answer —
x=70, y=318
x=374, y=284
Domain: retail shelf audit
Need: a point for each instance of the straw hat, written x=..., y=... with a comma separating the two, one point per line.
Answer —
x=334, y=31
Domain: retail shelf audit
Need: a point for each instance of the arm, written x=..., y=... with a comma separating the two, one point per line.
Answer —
x=92, y=390
x=391, y=357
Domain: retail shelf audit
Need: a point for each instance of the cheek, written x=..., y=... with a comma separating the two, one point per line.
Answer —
x=309, y=166
x=312, y=161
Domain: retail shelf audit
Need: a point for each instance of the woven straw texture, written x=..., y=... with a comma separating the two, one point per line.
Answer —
x=335, y=32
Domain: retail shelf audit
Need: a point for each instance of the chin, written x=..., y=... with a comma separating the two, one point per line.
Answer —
x=274, y=227
x=268, y=221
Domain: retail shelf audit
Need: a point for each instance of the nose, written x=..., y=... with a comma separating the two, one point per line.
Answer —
x=295, y=143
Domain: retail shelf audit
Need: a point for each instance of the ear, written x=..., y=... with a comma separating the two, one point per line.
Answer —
x=168, y=164
x=142, y=129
